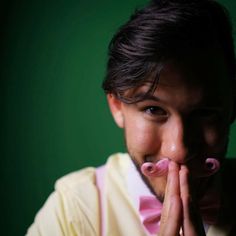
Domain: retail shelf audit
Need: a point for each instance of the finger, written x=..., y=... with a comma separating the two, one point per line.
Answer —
x=172, y=187
x=158, y=169
x=192, y=222
x=171, y=214
x=174, y=219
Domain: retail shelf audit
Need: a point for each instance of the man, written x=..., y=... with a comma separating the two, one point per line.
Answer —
x=170, y=85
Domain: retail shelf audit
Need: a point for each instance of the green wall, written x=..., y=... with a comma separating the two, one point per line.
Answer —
x=53, y=113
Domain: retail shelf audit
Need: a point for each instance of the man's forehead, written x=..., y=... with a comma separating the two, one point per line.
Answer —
x=198, y=84
x=204, y=72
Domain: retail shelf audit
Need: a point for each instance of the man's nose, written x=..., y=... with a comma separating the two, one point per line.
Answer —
x=175, y=144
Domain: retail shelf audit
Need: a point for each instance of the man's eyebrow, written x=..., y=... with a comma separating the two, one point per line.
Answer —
x=145, y=96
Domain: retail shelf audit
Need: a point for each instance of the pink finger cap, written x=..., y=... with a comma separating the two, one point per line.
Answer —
x=162, y=166
x=155, y=169
x=212, y=165
x=148, y=169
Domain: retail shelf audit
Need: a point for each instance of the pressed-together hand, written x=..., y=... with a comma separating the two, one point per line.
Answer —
x=180, y=215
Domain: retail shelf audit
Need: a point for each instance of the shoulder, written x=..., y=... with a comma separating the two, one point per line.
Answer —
x=79, y=191
x=85, y=179
x=228, y=204
x=73, y=208
x=74, y=182
x=69, y=207
x=229, y=177
x=229, y=170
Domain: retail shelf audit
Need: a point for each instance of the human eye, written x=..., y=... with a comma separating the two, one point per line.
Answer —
x=207, y=114
x=155, y=111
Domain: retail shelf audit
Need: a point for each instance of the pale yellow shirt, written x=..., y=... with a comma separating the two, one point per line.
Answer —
x=73, y=208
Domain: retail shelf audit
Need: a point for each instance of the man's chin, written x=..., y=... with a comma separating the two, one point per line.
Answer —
x=202, y=186
x=158, y=192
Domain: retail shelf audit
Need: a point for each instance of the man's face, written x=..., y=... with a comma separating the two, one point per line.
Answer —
x=186, y=119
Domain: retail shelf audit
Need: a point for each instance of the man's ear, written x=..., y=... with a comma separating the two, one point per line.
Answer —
x=115, y=106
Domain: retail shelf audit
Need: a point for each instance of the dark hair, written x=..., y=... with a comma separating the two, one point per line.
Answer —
x=165, y=30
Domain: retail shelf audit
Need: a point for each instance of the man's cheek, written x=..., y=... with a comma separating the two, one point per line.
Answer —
x=142, y=139
x=217, y=139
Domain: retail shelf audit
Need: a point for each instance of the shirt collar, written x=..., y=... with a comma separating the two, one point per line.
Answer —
x=136, y=185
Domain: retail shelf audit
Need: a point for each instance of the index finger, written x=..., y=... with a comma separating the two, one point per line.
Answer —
x=171, y=216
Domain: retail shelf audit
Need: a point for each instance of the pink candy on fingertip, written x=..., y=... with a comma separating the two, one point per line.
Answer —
x=212, y=165
x=149, y=169
x=162, y=166
x=155, y=169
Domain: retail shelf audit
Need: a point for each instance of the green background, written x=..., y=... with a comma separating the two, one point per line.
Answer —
x=54, y=116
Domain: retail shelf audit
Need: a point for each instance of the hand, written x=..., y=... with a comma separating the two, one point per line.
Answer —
x=179, y=209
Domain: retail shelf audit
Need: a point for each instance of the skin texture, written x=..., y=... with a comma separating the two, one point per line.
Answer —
x=186, y=120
